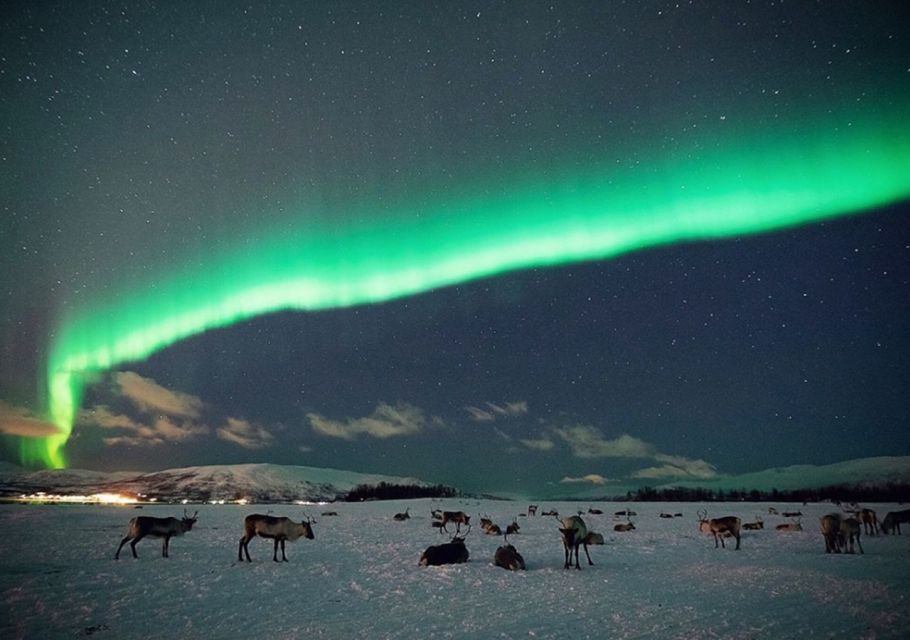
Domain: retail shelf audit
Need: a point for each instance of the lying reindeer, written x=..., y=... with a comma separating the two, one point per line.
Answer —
x=454, y=552
x=278, y=529
x=719, y=526
x=790, y=527
x=628, y=526
x=398, y=517
x=166, y=528
x=508, y=557
x=753, y=526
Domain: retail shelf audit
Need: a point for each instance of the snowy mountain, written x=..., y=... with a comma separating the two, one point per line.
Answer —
x=253, y=482
x=863, y=471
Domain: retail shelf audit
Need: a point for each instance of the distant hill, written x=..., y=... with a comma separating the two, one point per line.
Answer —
x=253, y=482
x=862, y=472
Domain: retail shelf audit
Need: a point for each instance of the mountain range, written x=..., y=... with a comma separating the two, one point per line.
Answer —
x=278, y=483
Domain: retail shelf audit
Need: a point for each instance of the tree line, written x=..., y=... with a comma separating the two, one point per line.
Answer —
x=890, y=492
x=388, y=491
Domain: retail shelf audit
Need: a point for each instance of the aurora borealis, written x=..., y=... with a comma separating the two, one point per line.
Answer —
x=456, y=206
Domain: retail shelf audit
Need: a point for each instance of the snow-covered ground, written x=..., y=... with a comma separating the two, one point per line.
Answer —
x=359, y=578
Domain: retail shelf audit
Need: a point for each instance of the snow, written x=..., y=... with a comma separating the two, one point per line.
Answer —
x=360, y=579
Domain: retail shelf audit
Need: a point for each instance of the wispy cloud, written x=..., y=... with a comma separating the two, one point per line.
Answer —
x=386, y=421
x=149, y=396
x=490, y=411
x=591, y=478
x=245, y=434
x=678, y=467
x=588, y=442
x=159, y=430
x=19, y=421
x=543, y=443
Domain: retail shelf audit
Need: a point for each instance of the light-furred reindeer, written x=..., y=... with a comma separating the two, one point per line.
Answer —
x=166, y=528
x=278, y=529
x=458, y=517
x=719, y=527
x=574, y=535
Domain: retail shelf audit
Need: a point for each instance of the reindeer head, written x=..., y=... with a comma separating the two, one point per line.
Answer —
x=188, y=521
x=308, y=527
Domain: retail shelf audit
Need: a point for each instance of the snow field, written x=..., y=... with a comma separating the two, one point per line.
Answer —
x=359, y=578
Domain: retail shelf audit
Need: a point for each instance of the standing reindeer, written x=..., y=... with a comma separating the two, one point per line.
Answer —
x=278, y=529
x=830, y=525
x=574, y=534
x=166, y=528
x=869, y=520
x=458, y=517
x=719, y=526
x=893, y=520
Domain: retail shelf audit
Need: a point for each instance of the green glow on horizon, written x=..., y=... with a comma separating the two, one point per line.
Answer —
x=748, y=185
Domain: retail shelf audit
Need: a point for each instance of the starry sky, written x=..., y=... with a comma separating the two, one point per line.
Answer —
x=154, y=154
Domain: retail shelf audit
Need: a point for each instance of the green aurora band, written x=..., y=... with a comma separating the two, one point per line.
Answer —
x=749, y=184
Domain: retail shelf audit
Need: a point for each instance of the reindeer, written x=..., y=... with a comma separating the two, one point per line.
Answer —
x=753, y=526
x=666, y=515
x=772, y=511
x=893, y=520
x=790, y=527
x=532, y=511
x=592, y=538
x=278, y=529
x=485, y=522
x=508, y=557
x=512, y=528
x=493, y=530
x=458, y=517
x=167, y=528
x=850, y=530
x=551, y=512
x=595, y=512
x=626, y=512
x=574, y=531
x=628, y=526
x=330, y=513
x=454, y=552
x=719, y=526
x=792, y=514
x=869, y=520
x=399, y=517
x=830, y=525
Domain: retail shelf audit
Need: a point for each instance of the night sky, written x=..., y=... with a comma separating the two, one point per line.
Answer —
x=158, y=154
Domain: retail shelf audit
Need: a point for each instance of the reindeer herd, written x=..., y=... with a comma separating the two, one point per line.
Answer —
x=841, y=531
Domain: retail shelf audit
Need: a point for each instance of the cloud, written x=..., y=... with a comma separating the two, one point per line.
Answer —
x=386, y=421
x=19, y=421
x=494, y=411
x=588, y=442
x=544, y=443
x=591, y=478
x=161, y=430
x=677, y=467
x=245, y=434
x=149, y=396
